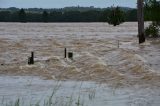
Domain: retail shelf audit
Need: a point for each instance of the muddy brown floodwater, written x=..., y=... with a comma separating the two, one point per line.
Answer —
x=96, y=54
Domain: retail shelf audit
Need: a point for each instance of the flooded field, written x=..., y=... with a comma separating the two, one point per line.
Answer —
x=34, y=90
x=102, y=54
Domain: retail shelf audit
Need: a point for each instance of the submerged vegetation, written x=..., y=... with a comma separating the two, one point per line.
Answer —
x=51, y=100
x=152, y=31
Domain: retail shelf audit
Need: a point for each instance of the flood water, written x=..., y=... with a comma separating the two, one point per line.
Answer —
x=31, y=90
x=108, y=65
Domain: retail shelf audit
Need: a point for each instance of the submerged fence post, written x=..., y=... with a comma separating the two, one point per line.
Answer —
x=31, y=59
x=65, y=53
x=70, y=55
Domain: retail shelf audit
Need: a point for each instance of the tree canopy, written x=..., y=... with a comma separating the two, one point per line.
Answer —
x=152, y=12
x=22, y=15
x=116, y=16
x=45, y=16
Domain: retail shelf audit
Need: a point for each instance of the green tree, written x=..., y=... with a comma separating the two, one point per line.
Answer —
x=55, y=16
x=116, y=16
x=131, y=15
x=152, y=8
x=45, y=16
x=72, y=16
x=5, y=16
x=22, y=15
x=104, y=15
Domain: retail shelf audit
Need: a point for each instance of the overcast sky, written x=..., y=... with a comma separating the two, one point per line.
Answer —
x=65, y=3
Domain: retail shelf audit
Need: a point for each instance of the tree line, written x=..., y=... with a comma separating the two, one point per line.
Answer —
x=71, y=15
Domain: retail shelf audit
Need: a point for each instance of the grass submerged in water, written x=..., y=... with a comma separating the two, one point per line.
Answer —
x=49, y=101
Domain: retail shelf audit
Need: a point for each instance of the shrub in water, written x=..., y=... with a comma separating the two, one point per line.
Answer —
x=152, y=30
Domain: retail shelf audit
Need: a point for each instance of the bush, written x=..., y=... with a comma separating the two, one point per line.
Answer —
x=152, y=31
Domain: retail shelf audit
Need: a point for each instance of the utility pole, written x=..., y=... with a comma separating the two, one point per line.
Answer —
x=140, y=16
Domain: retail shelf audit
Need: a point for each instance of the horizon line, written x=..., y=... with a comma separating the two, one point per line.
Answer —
x=68, y=7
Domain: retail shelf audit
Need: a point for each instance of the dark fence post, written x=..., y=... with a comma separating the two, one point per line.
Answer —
x=70, y=55
x=31, y=59
x=65, y=53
